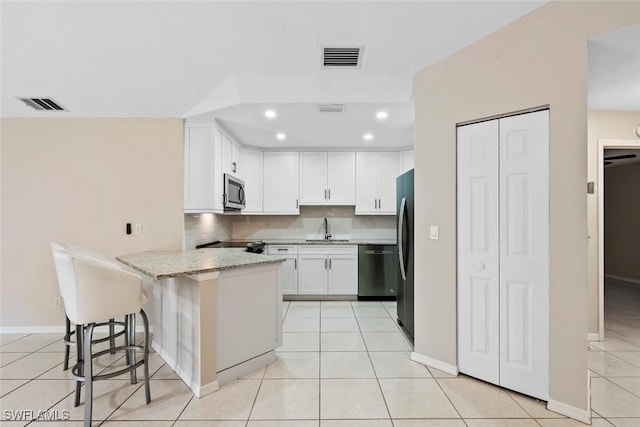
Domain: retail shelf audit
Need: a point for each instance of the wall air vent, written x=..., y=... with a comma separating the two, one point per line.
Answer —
x=332, y=108
x=342, y=57
x=43, y=104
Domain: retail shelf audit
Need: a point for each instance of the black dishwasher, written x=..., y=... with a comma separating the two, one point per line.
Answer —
x=377, y=271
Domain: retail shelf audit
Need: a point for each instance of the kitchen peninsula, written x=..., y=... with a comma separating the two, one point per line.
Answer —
x=216, y=313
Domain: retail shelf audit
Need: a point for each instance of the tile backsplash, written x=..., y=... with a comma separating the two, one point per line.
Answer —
x=343, y=224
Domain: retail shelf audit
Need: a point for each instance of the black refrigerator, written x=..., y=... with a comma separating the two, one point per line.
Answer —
x=404, y=228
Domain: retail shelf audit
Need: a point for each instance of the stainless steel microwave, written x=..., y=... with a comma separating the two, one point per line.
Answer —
x=233, y=198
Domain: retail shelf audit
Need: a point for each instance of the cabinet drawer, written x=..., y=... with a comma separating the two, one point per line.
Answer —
x=328, y=249
x=282, y=249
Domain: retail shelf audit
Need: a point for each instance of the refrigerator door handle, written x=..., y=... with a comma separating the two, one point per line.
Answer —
x=401, y=214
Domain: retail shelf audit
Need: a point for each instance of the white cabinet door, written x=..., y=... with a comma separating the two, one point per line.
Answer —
x=226, y=152
x=236, y=154
x=388, y=172
x=199, y=156
x=252, y=176
x=313, y=177
x=343, y=275
x=503, y=252
x=407, y=161
x=290, y=276
x=341, y=178
x=312, y=274
x=280, y=182
x=367, y=182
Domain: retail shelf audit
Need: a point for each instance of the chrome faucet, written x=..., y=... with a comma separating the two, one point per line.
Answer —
x=325, y=225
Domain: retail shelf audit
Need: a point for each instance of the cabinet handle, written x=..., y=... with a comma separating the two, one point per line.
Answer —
x=235, y=169
x=297, y=206
x=379, y=204
x=329, y=190
x=375, y=203
x=325, y=194
x=283, y=249
x=329, y=263
x=325, y=263
x=295, y=263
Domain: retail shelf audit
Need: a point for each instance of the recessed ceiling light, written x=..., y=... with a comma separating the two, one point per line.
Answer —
x=368, y=136
x=281, y=136
x=382, y=115
x=270, y=114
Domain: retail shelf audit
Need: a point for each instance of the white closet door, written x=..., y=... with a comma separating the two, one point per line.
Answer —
x=524, y=253
x=478, y=340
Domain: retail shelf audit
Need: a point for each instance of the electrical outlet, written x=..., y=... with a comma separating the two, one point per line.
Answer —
x=137, y=229
x=56, y=302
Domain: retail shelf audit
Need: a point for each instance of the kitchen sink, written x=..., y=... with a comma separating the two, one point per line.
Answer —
x=327, y=240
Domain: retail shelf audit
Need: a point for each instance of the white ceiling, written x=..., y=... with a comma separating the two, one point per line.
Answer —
x=187, y=58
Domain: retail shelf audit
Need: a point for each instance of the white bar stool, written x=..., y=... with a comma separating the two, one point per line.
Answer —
x=94, y=290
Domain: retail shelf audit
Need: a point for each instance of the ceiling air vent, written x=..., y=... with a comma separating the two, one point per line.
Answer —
x=332, y=108
x=342, y=57
x=43, y=104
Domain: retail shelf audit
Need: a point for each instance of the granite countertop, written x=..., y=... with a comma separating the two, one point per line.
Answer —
x=164, y=264
x=330, y=242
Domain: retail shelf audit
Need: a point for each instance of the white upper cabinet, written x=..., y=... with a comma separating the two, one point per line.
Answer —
x=376, y=175
x=230, y=155
x=252, y=176
x=327, y=178
x=201, y=183
x=407, y=161
x=280, y=182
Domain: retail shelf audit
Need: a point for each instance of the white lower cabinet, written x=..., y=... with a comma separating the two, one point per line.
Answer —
x=289, y=272
x=328, y=269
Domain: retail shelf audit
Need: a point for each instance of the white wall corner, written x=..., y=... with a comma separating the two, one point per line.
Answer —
x=569, y=411
x=433, y=363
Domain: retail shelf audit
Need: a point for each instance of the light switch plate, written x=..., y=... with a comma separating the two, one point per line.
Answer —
x=433, y=232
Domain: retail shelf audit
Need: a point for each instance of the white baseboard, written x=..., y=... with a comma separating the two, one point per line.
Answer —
x=433, y=363
x=623, y=279
x=49, y=330
x=569, y=411
x=593, y=336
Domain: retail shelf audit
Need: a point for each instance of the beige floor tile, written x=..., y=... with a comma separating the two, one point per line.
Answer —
x=614, y=344
x=346, y=365
x=146, y=424
x=337, y=312
x=339, y=325
x=55, y=423
x=31, y=366
x=632, y=357
x=341, y=341
x=208, y=423
x=293, y=304
x=428, y=423
x=359, y=303
x=341, y=304
x=386, y=341
x=610, y=400
x=287, y=399
x=99, y=365
x=377, y=324
x=301, y=324
x=567, y=422
x=296, y=312
x=501, y=423
x=155, y=363
x=608, y=365
x=416, y=398
x=351, y=399
x=232, y=402
x=376, y=311
x=283, y=423
x=7, y=338
x=7, y=386
x=6, y=358
x=397, y=365
x=295, y=341
x=107, y=397
x=630, y=384
x=30, y=343
x=625, y=422
x=294, y=365
x=168, y=399
x=37, y=395
x=356, y=423
x=477, y=399
x=593, y=374
x=439, y=374
x=164, y=373
x=601, y=422
x=535, y=408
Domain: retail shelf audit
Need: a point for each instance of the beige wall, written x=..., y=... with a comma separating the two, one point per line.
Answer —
x=538, y=60
x=79, y=181
x=622, y=228
x=601, y=125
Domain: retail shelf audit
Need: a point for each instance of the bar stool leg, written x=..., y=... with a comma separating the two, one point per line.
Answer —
x=126, y=338
x=147, y=389
x=112, y=340
x=79, y=359
x=132, y=352
x=88, y=375
x=67, y=338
